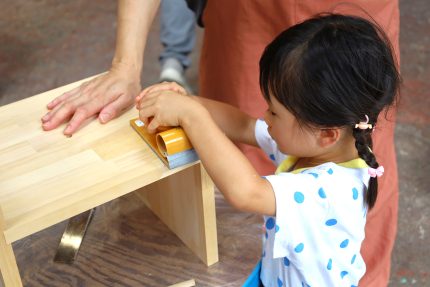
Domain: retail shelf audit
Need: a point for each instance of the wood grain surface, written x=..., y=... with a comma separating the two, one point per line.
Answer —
x=46, y=170
x=46, y=178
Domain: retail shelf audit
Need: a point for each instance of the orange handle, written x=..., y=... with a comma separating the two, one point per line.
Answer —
x=172, y=141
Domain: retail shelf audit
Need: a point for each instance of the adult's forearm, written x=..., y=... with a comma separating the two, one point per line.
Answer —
x=134, y=21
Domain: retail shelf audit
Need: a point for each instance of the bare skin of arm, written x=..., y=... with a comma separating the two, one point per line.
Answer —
x=230, y=170
x=112, y=93
x=237, y=125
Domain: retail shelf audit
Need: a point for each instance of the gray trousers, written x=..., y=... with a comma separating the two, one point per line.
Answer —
x=177, y=31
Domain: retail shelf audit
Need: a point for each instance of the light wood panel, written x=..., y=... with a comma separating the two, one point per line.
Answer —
x=8, y=267
x=46, y=177
x=188, y=212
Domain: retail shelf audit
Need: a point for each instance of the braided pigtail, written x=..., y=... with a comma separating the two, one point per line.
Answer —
x=363, y=143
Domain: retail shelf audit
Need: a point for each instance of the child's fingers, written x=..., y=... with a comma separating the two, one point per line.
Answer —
x=146, y=102
x=150, y=121
x=153, y=125
x=173, y=86
x=164, y=86
x=147, y=114
x=143, y=93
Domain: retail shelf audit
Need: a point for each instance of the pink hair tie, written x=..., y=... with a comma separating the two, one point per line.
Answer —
x=376, y=172
x=364, y=125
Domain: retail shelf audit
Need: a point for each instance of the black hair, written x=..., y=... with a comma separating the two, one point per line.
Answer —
x=331, y=71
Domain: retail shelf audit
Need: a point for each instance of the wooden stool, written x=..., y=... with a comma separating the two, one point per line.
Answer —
x=46, y=178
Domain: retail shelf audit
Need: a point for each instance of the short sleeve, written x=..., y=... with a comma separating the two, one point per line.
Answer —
x=318, y=226
x=267, y=144
x=316, y=211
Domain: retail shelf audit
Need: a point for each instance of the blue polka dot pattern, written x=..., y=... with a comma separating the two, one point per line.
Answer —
x=299, y=197
x=276, y=228
x=314, y=174
x=343, y=274
x=353, y=259
x=354, y=193
x=280, y=284
x=286, y=261
x=329, y=264
x=330, y=171
x=354, y=286
x=321, y=193
x=272, y=157
x=270, y=223
x=331, y=222
x=299, y=248
x=266, y=235
x=344, y=243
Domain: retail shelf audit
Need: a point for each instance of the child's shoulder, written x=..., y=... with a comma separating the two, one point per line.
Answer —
x=328, y=172
x=333, y=170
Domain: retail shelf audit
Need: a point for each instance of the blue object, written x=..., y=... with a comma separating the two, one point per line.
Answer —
x=253, y=280
x=182, y=158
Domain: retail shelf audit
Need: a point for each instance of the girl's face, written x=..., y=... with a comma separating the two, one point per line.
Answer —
x=292, y=139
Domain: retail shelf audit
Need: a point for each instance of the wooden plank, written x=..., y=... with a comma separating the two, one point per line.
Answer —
x=188, y=283
x=185, y=203
x=8, y=267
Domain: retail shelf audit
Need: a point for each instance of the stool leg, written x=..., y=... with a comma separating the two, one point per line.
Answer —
x=8, y=267
x=185, y=202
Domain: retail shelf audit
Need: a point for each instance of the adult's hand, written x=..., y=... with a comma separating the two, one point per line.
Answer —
x=107, y=95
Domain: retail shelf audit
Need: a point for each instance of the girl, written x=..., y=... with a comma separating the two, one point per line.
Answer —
x=325, y=81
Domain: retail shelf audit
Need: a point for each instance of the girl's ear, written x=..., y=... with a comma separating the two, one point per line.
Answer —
x=328, y=137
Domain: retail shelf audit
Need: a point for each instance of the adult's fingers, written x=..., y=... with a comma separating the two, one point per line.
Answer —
x=56, y=103
x=115, y=108
x=67, y=101
x=87, y=106
x=58, y=115
x=81, y=114
x=58, y=100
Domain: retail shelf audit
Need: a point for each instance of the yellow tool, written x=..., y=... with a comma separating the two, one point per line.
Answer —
x=170, y=144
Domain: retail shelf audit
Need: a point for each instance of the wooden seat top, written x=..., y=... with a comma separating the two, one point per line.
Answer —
x=46, y=177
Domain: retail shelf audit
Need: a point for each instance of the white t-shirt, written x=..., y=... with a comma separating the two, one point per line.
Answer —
x=316, y=236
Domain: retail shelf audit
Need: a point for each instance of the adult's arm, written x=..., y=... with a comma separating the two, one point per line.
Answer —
x=109, y=94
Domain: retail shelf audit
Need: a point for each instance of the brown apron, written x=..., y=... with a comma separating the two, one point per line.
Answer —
x=236, y=32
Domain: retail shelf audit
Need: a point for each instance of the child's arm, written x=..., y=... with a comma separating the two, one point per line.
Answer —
x=231, y=171
x=237, y=125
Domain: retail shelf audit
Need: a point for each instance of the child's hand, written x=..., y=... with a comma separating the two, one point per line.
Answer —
x=164, y=107
x=164, y=86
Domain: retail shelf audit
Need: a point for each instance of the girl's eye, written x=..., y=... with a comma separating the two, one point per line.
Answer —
x=272, y=113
